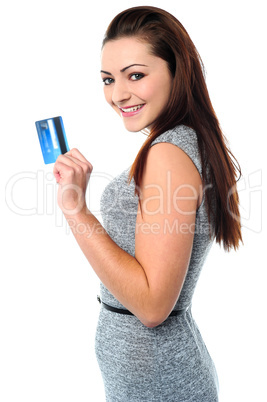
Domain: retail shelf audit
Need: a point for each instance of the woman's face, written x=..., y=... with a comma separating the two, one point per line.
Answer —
x=136, y=84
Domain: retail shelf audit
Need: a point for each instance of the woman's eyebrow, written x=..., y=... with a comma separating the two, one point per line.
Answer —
x=105, y=72
x=124, y=69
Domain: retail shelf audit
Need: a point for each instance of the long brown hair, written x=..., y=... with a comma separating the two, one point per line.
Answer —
x=189, y=104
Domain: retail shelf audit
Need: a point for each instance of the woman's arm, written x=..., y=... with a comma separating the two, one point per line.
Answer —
x=149, y=284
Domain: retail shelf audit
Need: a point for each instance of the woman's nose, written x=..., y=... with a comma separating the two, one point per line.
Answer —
x=120, y=93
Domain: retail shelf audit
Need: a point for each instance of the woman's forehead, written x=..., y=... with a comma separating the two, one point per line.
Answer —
x=125, y=52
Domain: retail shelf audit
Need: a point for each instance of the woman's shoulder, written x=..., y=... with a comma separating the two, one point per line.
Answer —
x=180, y=133
x=185, y=138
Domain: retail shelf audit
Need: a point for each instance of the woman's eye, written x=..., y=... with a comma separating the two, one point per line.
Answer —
x=108, y=81
x=135, y=77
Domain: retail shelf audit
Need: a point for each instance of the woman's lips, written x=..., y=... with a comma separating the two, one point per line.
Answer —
x=131, y=110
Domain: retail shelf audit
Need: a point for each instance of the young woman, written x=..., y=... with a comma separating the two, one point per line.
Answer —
x=160, y=217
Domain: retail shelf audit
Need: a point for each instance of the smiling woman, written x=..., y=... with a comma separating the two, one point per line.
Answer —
x=160, y=217
x=140, y=89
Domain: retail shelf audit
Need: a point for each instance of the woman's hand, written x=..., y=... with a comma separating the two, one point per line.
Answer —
x=72, y=172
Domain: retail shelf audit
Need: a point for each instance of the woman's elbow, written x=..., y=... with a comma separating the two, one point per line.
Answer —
x=154, y=319
x=156, y=311
x=152, y=324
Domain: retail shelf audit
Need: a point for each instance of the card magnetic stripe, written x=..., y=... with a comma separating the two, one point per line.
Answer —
x=60, y=134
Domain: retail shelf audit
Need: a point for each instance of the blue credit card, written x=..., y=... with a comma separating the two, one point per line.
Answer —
x=52, y=137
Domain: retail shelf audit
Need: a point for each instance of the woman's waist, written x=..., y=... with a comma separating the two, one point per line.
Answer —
x=113, y=307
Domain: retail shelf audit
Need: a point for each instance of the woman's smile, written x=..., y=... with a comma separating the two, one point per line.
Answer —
x=131, y=110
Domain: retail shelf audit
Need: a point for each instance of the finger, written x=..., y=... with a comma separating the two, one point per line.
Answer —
x=67, y=166
x=68, y=160
x=74, y=163
x=75, y=153
x=60, y=170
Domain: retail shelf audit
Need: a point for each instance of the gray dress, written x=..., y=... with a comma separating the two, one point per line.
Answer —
x=170, y=362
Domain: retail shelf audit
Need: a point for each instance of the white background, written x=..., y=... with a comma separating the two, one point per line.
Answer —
x=50, y=62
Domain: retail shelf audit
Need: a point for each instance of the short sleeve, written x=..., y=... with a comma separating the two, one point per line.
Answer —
x=186, y=139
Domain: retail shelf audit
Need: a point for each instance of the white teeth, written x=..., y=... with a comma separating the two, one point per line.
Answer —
x=132, y=109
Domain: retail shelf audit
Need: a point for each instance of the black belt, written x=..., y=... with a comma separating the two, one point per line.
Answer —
x=124, y=311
